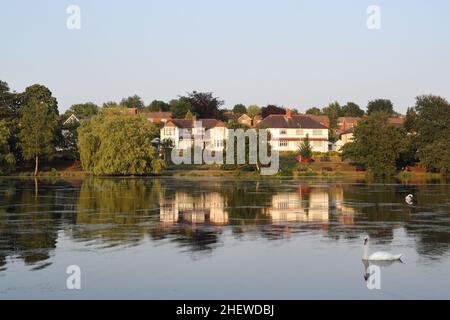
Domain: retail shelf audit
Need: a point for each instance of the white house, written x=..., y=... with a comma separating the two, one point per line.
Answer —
x=209, y=133
x=289, y=131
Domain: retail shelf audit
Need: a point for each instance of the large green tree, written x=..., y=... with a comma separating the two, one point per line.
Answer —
x=432, y=122
x=205, y=105
x=118, y=145
x=39, y=94
x=6, y=110
x=333, y=111
x=377, y=145
x=38, y=124
x=314, y=111
x=179, y=107
x=158, y=105
x=381, y=105
x=240, y=109
x=133, y=102
x=272, y=109
x=253, y=110
x=7, y=159
x=83, y=110
x=351, y=109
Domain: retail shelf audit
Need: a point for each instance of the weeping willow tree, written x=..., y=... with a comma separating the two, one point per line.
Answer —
x=118, y=145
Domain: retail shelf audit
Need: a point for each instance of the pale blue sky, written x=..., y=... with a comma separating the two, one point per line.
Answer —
x=292, y=53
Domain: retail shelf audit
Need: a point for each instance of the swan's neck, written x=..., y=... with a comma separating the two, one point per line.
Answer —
x=366, y=252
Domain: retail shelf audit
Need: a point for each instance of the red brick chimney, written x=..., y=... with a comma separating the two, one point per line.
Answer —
x=288, y=113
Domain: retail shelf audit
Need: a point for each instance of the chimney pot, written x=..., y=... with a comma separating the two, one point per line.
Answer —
x=289, y=113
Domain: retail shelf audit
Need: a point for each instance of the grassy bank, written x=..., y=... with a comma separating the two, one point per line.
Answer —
x=323, y=166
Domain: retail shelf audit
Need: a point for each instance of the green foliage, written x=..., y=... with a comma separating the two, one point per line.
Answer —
x=253, y=111
x=333, y=111
x=133, y=102
x=351, y=109
x=411, y=120
x=306, y=149
x=433, y=132
x=189, y=115
x=82, y=110
x=272, y=109
x=314, y=111
x=7, y=159
x=158, y=105
x=38, y=124
x=240, y=108
x=115, y=110
x=205, y=105
x=377, y=145
x=380, y=105
x=39, y=94
x=6, y=107
x=69, y=141
x=179, y=107
x=118, y=145
x=110, y=104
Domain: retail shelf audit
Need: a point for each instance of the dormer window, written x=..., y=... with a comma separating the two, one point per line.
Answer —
x=283, y=131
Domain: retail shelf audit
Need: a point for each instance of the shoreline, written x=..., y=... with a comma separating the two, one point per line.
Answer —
x=217, y=173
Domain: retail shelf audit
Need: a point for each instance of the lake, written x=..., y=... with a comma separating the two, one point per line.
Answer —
x=218, y=238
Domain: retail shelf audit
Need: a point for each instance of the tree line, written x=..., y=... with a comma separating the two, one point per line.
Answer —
x=383, y=148
x=107, y=142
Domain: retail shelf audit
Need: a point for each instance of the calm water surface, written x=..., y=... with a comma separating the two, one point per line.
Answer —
x=221, y=239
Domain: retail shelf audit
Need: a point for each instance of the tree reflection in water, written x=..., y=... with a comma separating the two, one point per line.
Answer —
x=194, y=214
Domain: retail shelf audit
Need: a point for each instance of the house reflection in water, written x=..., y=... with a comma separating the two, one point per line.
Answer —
x=310, y=205
x=184, y=208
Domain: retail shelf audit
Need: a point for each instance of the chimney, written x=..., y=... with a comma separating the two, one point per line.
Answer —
x=288, y=113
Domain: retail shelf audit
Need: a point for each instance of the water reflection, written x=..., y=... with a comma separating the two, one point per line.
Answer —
x=196, y=215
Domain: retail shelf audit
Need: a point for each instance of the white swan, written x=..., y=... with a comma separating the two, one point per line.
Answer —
x=378, y=256
x=409, y=199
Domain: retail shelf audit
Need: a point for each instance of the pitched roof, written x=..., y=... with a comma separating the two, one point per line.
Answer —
x=73, y=118
x=159, y=115
x=244, y=117
x=189, y=124
x=397, y=121
x=349, y=119
x=296, y=121
x=230, y=115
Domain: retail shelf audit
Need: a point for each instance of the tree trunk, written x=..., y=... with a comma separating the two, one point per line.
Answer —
x=36, y=167
x=36, y=188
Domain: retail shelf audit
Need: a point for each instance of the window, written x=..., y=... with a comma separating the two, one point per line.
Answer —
x=317, y=132
x=283, y=131
x=218, y=143
x=317, y=143
x=299, y=132
x=283, y=143
x=169, y=131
